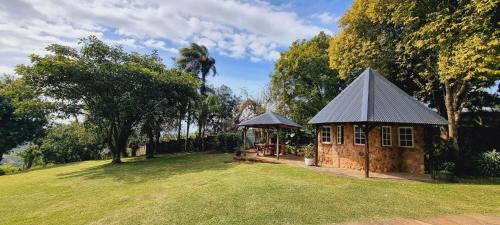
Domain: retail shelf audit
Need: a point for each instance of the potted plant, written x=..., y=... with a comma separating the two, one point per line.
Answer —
x=308, y=154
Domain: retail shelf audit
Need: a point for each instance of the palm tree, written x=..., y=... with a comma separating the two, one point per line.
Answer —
x=196, y=59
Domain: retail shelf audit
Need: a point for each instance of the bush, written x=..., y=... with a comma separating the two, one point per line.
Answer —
x=8, y=169
x=212, y=143
x=489, y=163
x=308, y=151
x=448, y=167
x=229, y=141
x=64, y=143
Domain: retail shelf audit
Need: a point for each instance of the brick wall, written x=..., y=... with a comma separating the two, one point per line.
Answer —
x=382, y=158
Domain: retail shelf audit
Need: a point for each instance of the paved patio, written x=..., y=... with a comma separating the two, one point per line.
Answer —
x=299, y=161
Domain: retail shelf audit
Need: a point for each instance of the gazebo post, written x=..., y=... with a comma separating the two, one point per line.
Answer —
x=244, y=137
x=278, y=143
x=296, y=141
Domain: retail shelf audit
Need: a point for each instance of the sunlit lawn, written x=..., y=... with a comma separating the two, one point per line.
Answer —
x=210, y=189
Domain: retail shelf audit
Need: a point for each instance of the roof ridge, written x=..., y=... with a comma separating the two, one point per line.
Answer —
x=371, y=97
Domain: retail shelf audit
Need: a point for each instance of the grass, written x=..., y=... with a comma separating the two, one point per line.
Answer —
x=210, y=189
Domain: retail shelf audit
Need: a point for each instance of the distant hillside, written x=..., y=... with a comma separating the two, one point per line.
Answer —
x=12, y=157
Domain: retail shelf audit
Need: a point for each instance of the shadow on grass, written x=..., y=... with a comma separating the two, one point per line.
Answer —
x=139, y=169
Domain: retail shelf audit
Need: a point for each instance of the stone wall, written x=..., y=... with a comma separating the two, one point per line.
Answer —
x=382, y=158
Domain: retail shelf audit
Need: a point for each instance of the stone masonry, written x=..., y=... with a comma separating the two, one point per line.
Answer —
x=382, y=158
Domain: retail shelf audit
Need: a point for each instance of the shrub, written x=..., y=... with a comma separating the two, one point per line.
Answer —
x=8, y=169
x=308, y=151
x=489, y=163
x=448, y=167
x=212, y=143
x=229, y=141
x=290, y=149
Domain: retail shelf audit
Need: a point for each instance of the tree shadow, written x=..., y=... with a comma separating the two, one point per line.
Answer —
x=140, y=169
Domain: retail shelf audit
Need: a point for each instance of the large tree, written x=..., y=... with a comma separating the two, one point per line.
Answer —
x=302, y=82
x=444, y=52
x=23, y=115
x=113, y=88
x=196, y=59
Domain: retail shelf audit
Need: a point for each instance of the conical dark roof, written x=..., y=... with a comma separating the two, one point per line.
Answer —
x=269, y=119
x=372, y=98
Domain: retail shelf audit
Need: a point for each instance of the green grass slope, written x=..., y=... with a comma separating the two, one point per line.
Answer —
x=210, y=189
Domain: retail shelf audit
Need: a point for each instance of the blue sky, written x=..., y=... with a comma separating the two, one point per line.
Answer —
x=245, y=37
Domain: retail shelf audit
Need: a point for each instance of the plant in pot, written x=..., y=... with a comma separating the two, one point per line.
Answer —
x=308, y=154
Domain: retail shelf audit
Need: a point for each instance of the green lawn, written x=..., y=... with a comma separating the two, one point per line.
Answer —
x=210, y=189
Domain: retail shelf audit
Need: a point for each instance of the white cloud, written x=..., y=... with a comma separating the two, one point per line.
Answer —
x=160, y=45
x=128, y=42
x=249, y=29
x=4, y=70
x=326, y=17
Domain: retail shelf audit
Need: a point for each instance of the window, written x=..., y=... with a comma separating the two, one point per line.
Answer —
x=326, y=134
x=406, y=137
x=340, y=135
x=359, y=135
x=386, y=136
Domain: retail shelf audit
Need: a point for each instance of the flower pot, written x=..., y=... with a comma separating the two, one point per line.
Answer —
x=309, y=162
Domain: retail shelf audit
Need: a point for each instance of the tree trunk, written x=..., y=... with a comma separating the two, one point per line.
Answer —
x=157, y=142
x=200, y=138
x=187, y=129
x=121, y=146
x=454, y=100
x=179, y=129
x=151, y=145
x=116, y=156
x=1, y=156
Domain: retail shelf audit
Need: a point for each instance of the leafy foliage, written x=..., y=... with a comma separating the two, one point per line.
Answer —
x=112, y=88
x=65, y=143
x=489, y=163
x=445, y=52
x=23, y=115
x=302, y=82
x=308, y=151
x=8, y=169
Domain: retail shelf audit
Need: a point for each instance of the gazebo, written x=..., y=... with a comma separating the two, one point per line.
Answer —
x=373, y=125
x=269, y=120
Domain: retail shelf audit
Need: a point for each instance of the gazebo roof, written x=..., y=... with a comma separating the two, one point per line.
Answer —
x=372, y=98
x=270, y=119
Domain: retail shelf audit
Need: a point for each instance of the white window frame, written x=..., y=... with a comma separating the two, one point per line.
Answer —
x=340, y=138
x=412, y=137
x=382, y=135
x=330, y=136
x=362, y=133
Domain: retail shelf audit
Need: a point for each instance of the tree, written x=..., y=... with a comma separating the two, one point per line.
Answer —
x=196, y=59
x=222, y=119
x=23, y=115
x=302, y=82
x=65, y=143
x=444, y=52
x=113, y=88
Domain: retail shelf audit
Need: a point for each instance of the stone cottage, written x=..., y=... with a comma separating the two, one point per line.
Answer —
x=373, y=124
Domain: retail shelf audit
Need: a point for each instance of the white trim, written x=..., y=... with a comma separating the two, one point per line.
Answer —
x=341, y=137
x=412, y=137
x=354, y=137
x=321, y=135
x=382, y=135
